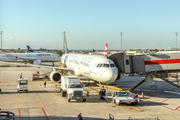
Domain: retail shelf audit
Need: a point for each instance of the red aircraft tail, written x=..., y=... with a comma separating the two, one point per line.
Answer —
x=106, y=49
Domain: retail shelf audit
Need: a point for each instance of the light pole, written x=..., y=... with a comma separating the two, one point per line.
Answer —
x=176, y=39
x=159, y=46
x=1, y=32
x=121, y=40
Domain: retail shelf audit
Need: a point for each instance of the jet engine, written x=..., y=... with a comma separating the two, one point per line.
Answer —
x=149, y=78
x=37, y=62
x=55, y=76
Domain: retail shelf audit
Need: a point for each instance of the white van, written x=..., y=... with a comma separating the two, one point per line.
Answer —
x=22, y=84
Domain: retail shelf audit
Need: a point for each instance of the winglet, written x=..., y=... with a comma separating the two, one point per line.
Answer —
x=65, y=44
x=106, y=49
x=29, y=49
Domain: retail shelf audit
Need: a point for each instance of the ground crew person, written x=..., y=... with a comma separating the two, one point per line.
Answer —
x=45, y=82
x=80, y=117
x=21, y=75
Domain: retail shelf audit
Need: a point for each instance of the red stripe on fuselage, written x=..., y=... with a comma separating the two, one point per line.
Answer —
x=166, y=61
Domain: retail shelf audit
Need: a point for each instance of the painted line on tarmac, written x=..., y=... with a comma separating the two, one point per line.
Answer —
x=94, y=89
x=168, y=108
x=127, y=106
x=177, y=108
x=111, y=87
x=165, y=100
x=132, y=108
x=165, y=106
x=43, y=110
x=19, y=110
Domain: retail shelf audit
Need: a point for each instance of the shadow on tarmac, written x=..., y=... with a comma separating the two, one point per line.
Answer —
x=56, y=118
x=15, y=92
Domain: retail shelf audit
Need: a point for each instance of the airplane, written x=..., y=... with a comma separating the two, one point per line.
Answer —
x=33, y=58
x=30, y=50
x=96, y=67
x=102, y=53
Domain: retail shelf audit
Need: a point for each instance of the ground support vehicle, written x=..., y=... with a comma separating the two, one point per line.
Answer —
x=71, y=88
x=122, y=97
x=35, y=75
x=22, y=84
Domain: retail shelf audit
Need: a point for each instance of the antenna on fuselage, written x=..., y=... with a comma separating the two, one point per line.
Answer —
x=65, y=44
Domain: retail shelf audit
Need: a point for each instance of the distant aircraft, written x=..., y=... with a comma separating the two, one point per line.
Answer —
x=102, y=53
x=164, y=52
x=96, y=67
x=34, y=58
x=29, y=49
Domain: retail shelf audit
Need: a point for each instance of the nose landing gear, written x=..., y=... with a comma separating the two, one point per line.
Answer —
x=102, y=92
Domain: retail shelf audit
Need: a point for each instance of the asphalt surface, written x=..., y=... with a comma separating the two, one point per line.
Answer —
x=47, y=104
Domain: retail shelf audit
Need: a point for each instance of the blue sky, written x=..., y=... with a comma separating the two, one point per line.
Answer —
x=90, y=24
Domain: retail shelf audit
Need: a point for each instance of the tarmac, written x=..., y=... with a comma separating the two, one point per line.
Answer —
x=47, y=104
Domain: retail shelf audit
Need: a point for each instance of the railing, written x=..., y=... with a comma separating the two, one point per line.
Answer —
x=6, y=115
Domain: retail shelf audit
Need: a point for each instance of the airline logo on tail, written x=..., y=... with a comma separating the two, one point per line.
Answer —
x=29, y=49
x=106, y=49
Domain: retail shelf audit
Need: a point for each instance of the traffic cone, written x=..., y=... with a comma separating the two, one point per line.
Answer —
x=40, y=84
x=55, y=86
x=0, y=81
x=142, y=95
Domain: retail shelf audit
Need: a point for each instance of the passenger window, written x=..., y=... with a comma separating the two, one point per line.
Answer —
x=127, y=62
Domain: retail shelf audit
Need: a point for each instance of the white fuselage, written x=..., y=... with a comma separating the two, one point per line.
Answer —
x=21, y=57
x=96, y=67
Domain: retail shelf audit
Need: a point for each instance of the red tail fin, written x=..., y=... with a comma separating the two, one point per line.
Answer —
x=106, y=48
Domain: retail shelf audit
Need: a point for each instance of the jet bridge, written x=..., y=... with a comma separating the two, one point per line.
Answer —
x=149, y=64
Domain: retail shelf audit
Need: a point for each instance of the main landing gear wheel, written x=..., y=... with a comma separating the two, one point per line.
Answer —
x=62, y=93
x=84, y=100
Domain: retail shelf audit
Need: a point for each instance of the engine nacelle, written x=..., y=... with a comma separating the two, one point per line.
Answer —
x=55, y=76
x=37, y=62
x=149, y=78
x=76, y=71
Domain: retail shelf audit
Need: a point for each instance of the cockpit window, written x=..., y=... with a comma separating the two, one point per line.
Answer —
x=112, y=65
x=105, y=65
x=100, y=65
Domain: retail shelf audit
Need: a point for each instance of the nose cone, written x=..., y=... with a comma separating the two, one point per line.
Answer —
x=111, y=75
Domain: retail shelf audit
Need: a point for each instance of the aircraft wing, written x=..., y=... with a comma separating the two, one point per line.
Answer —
x=41, y=66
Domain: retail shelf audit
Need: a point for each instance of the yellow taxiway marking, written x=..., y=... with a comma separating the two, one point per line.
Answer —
x=94, y=89
x=111, y=87
x=18, y=105
x=127, y=106
x=40, y=104
x=132, y=108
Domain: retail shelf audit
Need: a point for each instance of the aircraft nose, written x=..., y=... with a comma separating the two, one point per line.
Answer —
x=111, y=75
x=115, y=73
